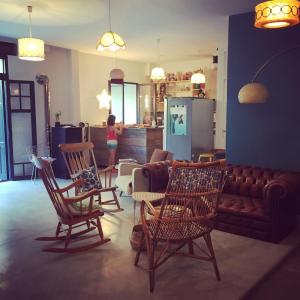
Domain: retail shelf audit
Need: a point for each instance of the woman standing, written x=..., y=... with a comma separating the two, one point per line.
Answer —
x=112, y=133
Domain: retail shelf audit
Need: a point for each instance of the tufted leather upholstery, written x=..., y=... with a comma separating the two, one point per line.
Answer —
x=258, y=202
x=255, y=202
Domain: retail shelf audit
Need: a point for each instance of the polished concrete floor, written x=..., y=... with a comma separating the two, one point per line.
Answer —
x=107, y=272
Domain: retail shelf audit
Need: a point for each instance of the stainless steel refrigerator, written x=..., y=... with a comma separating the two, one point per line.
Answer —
x=188, y=129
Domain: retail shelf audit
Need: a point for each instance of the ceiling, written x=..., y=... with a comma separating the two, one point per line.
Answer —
x=188, y=29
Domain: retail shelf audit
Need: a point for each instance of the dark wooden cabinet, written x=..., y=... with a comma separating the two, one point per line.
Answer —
x=63, y=135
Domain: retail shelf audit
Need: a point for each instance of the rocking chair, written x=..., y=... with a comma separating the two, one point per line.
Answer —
x=185, y=215
x=67, y=214
x=79, y=158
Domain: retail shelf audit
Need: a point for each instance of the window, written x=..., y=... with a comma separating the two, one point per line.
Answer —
x=124, y=102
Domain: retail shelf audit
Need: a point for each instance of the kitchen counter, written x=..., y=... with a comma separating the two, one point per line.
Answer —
x=137, y=143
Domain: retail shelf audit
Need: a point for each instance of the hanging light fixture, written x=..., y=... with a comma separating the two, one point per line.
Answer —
x=104, y=99
x=276, y=14
x=110, y=40
x=158, y=73
x=198, y=77
x=30, y=48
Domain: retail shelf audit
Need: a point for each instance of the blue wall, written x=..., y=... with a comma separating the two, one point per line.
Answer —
x=266, y=135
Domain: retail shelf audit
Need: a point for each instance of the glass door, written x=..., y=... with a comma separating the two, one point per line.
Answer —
x=124, y=104
x=21, y=108
x=3, y=156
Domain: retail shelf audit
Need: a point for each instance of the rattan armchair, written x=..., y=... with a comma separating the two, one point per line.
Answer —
x=185, y=215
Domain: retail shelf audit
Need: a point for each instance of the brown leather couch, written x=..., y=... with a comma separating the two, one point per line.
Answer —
x=255, y=202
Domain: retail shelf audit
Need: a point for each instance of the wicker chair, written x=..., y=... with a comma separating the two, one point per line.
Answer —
x=67, y=214
x=185, y=214
x=79, y=157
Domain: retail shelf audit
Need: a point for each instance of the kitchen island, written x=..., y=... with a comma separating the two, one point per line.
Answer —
x=136, y=143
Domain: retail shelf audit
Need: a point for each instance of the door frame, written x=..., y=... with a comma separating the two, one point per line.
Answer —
x=33, y=124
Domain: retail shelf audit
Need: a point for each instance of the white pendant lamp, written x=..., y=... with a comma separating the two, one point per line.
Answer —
x=30, y=48
x=110, y=40
x=104, y=99
x=158, y=73
x=198, y=77
x=277, y=14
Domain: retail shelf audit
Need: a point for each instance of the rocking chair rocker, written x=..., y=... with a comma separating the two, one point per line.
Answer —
x=67, y=214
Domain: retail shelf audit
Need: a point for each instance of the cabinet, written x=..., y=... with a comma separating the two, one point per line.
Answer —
x=62, y=135
x=188, y=127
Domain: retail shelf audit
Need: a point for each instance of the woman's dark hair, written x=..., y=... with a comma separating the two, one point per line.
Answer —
x=111, y=120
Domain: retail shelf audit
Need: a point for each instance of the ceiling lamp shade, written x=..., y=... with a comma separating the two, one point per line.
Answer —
x=277, y=14
x=110, y=40
x=103, y=99
x=253, y=93
x=158, y=73
x=117, y=74
x=198, y=78
x=30, y=48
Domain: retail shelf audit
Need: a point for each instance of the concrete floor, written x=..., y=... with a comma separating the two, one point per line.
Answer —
x=108, y=271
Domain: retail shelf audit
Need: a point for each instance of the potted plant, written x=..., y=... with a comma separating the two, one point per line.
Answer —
x=57, y=116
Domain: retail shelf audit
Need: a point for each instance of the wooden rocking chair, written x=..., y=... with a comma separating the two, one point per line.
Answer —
x=67, y=214
x=185, y=215
x=80, y=157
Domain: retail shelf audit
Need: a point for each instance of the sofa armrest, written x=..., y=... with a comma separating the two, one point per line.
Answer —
x=279, y=194
x=126, y=168
x=140, y=183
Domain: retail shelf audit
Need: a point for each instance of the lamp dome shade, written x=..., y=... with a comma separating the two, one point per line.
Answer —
x=31, y=49
x=110, y=40
x=158, y=73
x=277, y=14
x=116, y=74
x=198, y=78
x=253, y=93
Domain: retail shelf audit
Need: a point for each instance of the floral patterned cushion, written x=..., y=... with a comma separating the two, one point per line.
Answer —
x=90, y=178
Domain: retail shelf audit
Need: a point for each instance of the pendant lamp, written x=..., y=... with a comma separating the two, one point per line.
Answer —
x=30, y=48
x=198, y=77
x=276, y=14
x=158, y=73
x=110, y=40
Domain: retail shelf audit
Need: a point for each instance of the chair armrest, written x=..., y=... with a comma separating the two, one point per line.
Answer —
x=76, y=183
x=140, y=183
x=91, y=193
x=126, y=168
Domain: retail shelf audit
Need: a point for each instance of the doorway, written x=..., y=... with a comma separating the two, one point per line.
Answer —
x=3, y=148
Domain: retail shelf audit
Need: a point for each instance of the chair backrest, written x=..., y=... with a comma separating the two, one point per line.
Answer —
x=160, y=155
x=78, y=157
x=193, y=191
x=46, y=174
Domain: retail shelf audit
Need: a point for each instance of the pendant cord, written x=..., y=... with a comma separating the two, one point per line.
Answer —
x=29, y=16
x=109, y=15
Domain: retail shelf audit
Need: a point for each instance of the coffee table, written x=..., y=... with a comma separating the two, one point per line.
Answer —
x=145, y=196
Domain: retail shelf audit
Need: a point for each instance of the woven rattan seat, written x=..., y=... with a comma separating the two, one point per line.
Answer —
x=185, y=214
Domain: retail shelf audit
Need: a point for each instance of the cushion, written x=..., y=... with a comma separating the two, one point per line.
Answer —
x=158, y=155
x=90, y=178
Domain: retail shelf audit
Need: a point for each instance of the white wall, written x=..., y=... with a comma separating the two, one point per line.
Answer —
x=57, y=67
x=221, y=99
x=94, y=73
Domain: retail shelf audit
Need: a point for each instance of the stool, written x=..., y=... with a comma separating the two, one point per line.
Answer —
x=206, y=157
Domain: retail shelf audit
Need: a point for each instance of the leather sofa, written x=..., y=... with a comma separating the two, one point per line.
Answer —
x=255, y=202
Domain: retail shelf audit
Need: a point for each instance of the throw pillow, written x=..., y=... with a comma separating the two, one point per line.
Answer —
x=90, y=178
